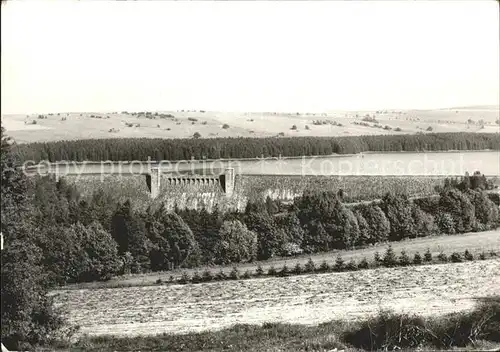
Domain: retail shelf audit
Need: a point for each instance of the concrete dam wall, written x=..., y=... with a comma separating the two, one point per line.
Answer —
x=232, y=183
x=197, y=192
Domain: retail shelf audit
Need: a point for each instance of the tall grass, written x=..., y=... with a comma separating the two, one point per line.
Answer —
x=389, y=331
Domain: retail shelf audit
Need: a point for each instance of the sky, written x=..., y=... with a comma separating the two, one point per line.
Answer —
x=69, y=56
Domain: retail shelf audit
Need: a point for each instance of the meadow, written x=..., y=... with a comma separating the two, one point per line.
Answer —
x=211, y=124
x=308, y=299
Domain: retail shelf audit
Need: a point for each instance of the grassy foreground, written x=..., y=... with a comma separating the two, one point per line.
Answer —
x=478, y=329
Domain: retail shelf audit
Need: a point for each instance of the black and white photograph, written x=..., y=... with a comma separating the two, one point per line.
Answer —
x=250, y=176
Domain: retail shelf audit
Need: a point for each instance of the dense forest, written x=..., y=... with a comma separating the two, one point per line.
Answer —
x=183, y=149
x=87, y=239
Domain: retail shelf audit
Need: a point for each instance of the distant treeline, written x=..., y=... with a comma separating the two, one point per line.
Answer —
x=122, y=149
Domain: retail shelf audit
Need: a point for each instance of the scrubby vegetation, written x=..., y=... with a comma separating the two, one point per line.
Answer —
x=214, y=148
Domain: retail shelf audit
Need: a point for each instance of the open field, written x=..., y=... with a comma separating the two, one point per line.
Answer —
x=475, y=242
x=70, y=126
x=309, y=299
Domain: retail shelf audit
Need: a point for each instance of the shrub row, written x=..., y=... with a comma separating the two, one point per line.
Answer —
x=389, y=260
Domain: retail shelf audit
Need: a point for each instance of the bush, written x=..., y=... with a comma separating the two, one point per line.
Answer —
x=306, y=127
x=196, y=277
x=234, y=274
x=377, y=259
x=221, y=275
x=417, y=259
x=404, y=259
x=234, y=243
x=390, y=259
x=284, y=270
x=351, y=265
x=246, y=275
x=225, y=126
x=429, y=129
x=259, y=271
x=309, y=267
x=271, y=271
x=339, y=264
x=388, y=331
x=196, y=135
x=324, y=267
x=428, y=255
x=184, y=279
x=468, y=255
x=207, y=276
x=363, y=264
x=442, y=257
x=456, y=257
x=158, y=281
x=445, y=223
x=482, y=256
x=294, y=127
x=297, y=269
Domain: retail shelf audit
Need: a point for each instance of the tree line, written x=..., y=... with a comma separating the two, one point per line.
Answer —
x=388, y=260
x=87, y=239
x=122, y=149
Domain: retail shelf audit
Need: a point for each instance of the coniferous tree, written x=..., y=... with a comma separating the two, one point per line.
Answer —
x=390, y=259
x=485, y=210
x=424, y=224
x=270, y=237
x=290, y=224
x=398, y=210
x=364, y=229
x=129, y=232
x=184, y=250
x=459, y=206
x=316, y=239
x=378, y=225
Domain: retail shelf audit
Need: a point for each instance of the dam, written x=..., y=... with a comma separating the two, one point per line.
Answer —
x=154, y=172
x=231, y=184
